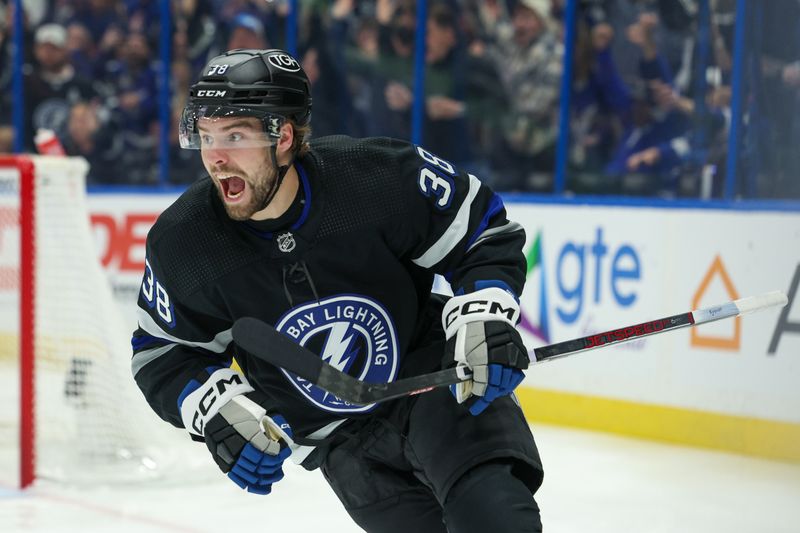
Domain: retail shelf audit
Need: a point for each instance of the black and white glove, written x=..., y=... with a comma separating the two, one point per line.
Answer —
x=247, y=444
x=481, y=335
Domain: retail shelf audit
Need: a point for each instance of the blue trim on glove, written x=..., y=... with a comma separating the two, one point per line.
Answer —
x=495, y=283
x=256, y=471
x=502, y=382
x=190, y=387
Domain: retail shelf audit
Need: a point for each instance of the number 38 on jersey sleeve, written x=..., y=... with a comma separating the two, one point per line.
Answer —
x=156, y=297
x=457, y=227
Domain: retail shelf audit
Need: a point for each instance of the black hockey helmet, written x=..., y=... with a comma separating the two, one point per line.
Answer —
x=266, y=84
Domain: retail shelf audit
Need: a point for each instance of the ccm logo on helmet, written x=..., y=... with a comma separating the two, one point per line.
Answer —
x=284, y=62
x=479, y=306
x=212, y=93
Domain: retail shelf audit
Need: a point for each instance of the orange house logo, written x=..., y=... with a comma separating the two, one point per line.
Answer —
x=717, y=269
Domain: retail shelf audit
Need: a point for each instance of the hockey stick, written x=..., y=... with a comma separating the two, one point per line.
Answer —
x=262, y=341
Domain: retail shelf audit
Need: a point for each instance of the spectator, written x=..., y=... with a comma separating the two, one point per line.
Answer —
x=446, y=85
x=394, y=72
x=53, y=85
x=679, y=153
x=646, y=125
x=328, y=91
x=143, y=17
x=195, y=32
x=246, y=31
x=599, y=99
x=82, y=50
x=104, y=19
x=532, y=60
x=133, y=80
x=270, y=15
x=489, y=21
x=90, y=134
x=773, y=133
x=356, y=61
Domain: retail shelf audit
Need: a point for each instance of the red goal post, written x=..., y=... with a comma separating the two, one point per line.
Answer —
x=25, y=275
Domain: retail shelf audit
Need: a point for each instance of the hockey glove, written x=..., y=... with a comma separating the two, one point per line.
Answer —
x=481, y=336
x=247, y=444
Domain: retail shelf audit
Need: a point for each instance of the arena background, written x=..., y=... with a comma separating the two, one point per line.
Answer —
x=648, y=147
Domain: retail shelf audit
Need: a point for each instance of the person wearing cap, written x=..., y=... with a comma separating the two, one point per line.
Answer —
x=246, y=31
x=530, y=63
x=53, y=85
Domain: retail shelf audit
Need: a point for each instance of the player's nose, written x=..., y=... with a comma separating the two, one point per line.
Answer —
x=217, y=156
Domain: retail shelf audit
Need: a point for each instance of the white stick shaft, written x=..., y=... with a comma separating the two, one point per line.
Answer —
x=742, y=306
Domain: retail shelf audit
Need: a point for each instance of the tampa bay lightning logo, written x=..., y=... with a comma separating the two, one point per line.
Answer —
x=353, y=333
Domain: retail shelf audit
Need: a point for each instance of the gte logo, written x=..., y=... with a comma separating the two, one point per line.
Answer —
x=583, y=271
x=784, y=325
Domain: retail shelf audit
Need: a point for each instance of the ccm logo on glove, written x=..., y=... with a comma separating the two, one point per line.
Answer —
x=490, y=307
x=202, y=404
x=480, y=306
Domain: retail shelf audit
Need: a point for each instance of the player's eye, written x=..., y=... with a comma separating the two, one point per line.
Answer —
x=207, y=140
x=235, y=137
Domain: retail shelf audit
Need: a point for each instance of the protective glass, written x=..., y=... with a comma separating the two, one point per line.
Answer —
x=227, y=127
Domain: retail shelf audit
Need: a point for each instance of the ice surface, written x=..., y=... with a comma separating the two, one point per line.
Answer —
x=593, y=482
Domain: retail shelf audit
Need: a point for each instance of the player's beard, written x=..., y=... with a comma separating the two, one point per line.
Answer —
x=260, y=189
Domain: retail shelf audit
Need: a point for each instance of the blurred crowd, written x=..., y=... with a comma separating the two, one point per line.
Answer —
x=650, y=94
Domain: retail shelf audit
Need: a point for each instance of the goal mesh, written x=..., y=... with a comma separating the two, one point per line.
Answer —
x=89, y=423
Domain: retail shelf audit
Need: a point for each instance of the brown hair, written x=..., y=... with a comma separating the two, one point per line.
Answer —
x=300, y=145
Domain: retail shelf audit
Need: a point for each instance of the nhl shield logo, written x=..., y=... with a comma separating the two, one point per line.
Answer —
x=286, y=242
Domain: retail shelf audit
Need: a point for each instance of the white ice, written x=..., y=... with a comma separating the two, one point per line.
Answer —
x=593, y=483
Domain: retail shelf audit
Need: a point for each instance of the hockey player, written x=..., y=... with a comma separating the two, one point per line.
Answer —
x=335, y=242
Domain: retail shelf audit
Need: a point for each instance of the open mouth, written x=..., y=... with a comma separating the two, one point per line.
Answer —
x=233, y=187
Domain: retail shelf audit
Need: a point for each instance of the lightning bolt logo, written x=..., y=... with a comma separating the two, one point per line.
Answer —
x=339, y=351
x=352, y=333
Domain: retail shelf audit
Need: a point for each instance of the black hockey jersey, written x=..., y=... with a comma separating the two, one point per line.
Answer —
x=348, y=277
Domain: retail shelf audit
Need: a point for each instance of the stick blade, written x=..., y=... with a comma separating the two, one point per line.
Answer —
x=264, y=342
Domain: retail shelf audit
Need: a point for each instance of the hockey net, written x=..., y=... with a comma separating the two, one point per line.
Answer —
x=71, y=411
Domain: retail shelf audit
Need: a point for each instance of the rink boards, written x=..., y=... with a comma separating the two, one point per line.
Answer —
x=729, y=385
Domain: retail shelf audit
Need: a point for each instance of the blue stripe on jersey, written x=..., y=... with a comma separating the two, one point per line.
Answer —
x=138, y=342
x=491, y=283
x=495, y=206
x=307, y=192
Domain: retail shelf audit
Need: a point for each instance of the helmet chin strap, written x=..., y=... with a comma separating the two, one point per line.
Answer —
x=281, y=172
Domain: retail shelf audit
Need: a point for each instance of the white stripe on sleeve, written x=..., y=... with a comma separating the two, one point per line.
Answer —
x=217, y=345
x=454, y=233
